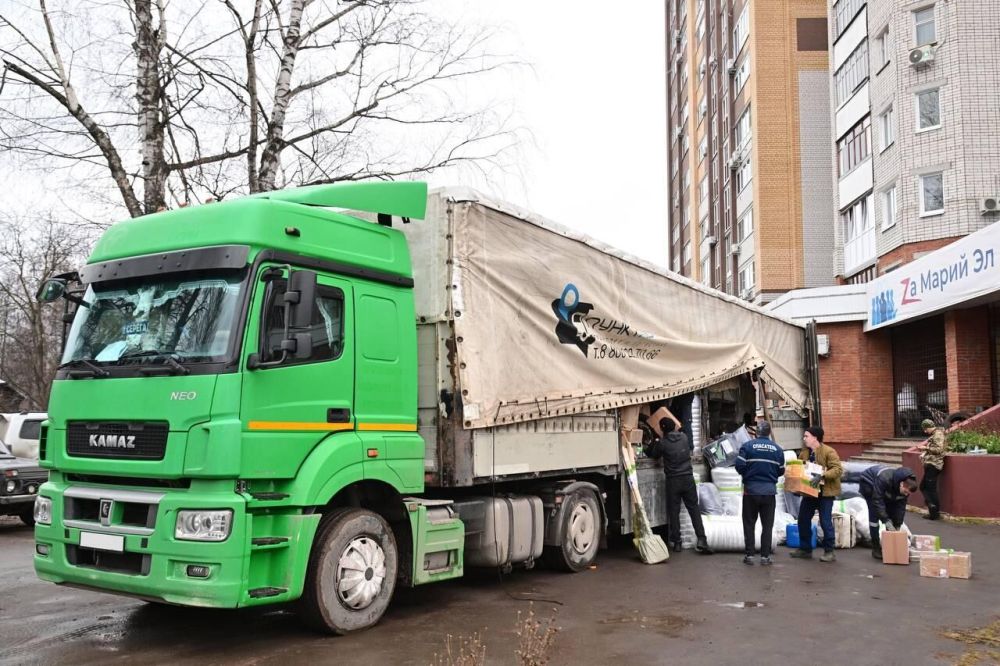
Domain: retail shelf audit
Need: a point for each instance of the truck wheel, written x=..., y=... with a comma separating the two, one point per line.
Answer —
x=351, y=573
x=28, y=517
x=581, y=533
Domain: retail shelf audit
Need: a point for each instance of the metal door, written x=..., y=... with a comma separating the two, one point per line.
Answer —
x=919, y=375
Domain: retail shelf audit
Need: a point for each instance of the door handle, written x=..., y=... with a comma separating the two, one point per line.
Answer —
x=338, y=415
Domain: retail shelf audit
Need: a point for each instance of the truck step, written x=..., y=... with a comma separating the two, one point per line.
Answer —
x=268, y=541
x=259, y=592
x=268, y=496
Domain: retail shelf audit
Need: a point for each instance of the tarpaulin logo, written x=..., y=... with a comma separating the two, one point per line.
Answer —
x=571, y=329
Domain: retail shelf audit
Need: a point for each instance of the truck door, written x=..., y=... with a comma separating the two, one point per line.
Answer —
x=288, y=409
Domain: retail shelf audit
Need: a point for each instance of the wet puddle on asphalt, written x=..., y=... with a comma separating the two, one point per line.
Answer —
x=737, y=604
x=670, y=625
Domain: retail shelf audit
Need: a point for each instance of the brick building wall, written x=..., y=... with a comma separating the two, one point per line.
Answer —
x=856, y=385
x=967, y=347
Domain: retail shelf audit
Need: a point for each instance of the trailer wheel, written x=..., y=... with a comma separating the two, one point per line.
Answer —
x=351, y=574
x=581, y=529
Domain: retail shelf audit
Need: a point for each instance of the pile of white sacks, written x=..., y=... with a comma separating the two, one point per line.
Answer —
x=721, y=503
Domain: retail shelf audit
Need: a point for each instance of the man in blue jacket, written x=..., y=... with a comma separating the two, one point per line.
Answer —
x=760, y=463
x=886, y=491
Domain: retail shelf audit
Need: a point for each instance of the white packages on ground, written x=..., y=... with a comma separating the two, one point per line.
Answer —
x=730, y=486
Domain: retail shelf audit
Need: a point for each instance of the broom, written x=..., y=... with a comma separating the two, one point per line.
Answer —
x=651, y=548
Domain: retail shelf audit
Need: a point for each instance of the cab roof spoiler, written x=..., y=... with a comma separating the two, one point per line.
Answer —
x=405, y=199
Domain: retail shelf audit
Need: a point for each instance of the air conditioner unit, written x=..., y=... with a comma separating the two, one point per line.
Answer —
x=712, y=241
x=921, y=55
x=679, y=132
x=989, y=205
x=677, y=36
x=735, y=251
x=747, y=295
x=735, y=162
x=712, y=62
x=731, y=67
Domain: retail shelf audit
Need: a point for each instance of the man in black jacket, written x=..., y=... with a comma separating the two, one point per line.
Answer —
x=885, y=491
x=675, y=451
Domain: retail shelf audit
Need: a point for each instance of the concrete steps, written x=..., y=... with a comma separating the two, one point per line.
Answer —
x=887, y=452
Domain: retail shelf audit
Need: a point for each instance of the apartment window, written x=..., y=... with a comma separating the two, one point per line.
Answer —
x=928, y=109
x=855, y=147
x=703, y=148
x=685, y=144
x=743, y=129
x=932, y=194
x=745, y=174
x=852, y=73
x=924, y=27
x=702, y=108
x=887, y=128
x=703, y=189
x=747, y=281
x=675, y=234
x=706, y=270
x=686, y=257
x=745, y=225
x=844, y=12
x=742, y=29
x=883, y=48
x=675, y=264
x=687, y=180
x=742, y=74
x=855, y=220
x=889, y=208
x=702, y=67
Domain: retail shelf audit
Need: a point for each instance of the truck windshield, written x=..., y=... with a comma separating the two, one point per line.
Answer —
x=187, y=319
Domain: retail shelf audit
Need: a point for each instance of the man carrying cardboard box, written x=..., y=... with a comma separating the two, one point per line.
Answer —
x=827, y=476
x=885, y=491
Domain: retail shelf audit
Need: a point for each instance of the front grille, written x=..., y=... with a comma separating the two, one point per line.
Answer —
x=124, y=513
x=132, y=440
x=135, y=564
x=132, y=481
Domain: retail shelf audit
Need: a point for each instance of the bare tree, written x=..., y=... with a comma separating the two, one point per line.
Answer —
x=188, y=100
x=31, y=332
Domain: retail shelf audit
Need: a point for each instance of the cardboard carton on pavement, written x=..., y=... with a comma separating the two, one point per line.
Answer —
x=960, y=565
x=933, y=565
x=926, y=542
x=895, y=548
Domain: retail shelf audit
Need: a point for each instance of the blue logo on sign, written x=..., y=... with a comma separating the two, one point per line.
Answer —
x=883, y=308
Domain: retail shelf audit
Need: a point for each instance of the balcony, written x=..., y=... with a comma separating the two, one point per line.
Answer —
x=859, y=252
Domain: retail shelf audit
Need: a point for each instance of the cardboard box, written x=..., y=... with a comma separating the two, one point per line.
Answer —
x=960, y=565
x=794, y=471
x=654, y=419
x=895, y=548
x=926, y=542
x=917, y=555
x=799, y=486
x=933, y=565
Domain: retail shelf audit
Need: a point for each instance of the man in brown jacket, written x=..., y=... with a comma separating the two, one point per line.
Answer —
x=933, y=458
x=814, y=450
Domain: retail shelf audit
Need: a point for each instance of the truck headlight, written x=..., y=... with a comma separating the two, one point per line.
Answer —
x=204, y=525
x=43, y=510
x=10, y=486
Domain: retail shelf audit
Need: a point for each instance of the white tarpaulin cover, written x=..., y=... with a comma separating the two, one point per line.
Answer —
x=549, y=322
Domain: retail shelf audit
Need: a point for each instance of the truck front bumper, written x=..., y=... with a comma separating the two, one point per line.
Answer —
x=134, y=551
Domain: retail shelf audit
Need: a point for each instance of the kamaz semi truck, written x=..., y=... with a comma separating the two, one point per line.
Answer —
x=319, y=394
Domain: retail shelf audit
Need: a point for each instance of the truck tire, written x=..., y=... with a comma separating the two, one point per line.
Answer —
x=28, y=516
x=581, y=530
x=351, y=573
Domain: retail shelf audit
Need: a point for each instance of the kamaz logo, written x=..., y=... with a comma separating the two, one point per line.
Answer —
x=112, y=441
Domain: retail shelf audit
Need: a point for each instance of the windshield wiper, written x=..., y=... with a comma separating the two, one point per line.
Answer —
x=91, y=371
x=168, y=360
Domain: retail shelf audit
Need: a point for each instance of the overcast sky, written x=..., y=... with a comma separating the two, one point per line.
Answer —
x=594, y=101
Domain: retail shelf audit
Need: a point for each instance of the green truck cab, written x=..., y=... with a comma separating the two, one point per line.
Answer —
x=208, y=441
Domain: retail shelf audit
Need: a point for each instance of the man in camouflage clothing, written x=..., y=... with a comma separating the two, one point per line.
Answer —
x=933, y=459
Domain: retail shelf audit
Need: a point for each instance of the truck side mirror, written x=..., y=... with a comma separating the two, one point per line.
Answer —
x=51, y=290
x=302, y=293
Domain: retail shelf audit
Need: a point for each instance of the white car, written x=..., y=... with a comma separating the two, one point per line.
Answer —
x=21, y=431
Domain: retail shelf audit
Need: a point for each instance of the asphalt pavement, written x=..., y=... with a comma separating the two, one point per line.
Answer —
x=691, y=610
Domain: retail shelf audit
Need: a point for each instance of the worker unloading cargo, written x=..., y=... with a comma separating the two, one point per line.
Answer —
x=674, y=449
x=828, y=480
x=886, y=490
x=760, y=463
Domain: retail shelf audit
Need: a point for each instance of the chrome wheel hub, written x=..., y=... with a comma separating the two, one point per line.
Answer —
x=360, y=573
x=582, y=528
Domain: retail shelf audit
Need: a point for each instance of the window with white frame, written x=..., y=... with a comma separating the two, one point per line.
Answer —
x=675, y=234
x=745, y=174
x=687, y=180
x=852, y=73
x=887, y=129
x=747, y=281
x=703, y=147
x=743, y=130
x=703, y=190
x=702, y=108
x=889, y=208
x=855, y=147
x=924, y=28
x=686, y=256
x=742, y=74
x=702, y=67
x=745, y=225
x=742, y=29
x=706, y=270
x=883, y=48
x=855, y=220
x=675, y=264
x=928, y=109
x=932, y=193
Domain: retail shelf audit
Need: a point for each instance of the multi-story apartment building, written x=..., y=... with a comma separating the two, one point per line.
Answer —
x=751, y=200
x=916, y=127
